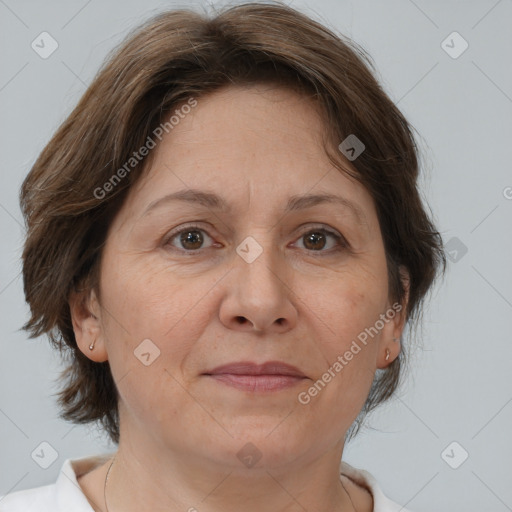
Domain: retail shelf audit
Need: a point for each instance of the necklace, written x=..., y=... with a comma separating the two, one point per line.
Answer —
x=349, y=497
x=105, y=486
x=114, y=458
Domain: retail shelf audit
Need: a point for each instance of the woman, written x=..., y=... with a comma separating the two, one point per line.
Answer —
x=227, y=237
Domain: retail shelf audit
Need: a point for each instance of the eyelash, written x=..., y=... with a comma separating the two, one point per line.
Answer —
x=342, y=244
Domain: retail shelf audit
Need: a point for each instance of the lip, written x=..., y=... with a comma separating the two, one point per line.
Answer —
x=253, y=377
x=250, y=368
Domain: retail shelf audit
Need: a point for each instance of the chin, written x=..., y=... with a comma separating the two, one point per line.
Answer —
x=266, y=443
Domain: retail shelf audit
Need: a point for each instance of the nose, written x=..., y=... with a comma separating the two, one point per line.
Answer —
x=259, y=296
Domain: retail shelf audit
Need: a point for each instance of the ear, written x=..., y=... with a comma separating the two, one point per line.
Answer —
x=395, y=315
x=86, y=312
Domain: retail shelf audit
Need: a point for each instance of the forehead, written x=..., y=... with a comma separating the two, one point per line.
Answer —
x=250, y=146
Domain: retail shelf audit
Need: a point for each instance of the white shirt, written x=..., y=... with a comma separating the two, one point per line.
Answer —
x=66, y=495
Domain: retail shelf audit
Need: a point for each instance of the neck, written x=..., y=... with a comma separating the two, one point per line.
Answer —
x=148, y=477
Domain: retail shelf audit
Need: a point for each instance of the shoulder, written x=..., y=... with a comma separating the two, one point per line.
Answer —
x=364, y=479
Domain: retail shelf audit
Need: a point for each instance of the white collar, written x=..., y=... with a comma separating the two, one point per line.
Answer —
x=381, y=503
x=68, y=489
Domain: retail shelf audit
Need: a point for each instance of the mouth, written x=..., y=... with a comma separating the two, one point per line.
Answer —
x=252, y=377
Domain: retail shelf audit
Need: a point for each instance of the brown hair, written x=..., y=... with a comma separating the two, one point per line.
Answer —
x=175, y=56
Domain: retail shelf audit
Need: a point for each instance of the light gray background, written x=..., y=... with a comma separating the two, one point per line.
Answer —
x=460, y=386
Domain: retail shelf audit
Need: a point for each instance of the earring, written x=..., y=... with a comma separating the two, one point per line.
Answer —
x=387, y=354
x=91, y=346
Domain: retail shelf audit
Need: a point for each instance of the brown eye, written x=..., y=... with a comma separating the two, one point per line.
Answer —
x=191, y=239
x=188, y=239
x=314, y=240
x=318, y=240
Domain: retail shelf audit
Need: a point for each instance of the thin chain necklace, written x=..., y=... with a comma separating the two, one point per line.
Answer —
x=349, y=497
x=114, y=458
x=105, y=486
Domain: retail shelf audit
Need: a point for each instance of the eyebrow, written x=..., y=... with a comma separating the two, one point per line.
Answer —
x=215, y=202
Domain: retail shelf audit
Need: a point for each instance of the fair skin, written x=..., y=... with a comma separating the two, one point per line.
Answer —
x=301, y=301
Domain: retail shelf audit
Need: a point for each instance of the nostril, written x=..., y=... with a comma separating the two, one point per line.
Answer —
x=240, y=319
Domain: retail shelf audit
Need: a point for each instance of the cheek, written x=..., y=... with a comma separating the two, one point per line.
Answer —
x=351, y=303
x=145, y=302
x=350, y=308
x=149, y=301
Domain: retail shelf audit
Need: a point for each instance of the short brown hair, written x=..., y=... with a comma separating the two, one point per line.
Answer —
x=174, y=56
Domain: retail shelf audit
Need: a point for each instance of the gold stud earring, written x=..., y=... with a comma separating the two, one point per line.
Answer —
x=387, y=354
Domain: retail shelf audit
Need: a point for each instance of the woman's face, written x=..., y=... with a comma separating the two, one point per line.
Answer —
x=243, y=268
